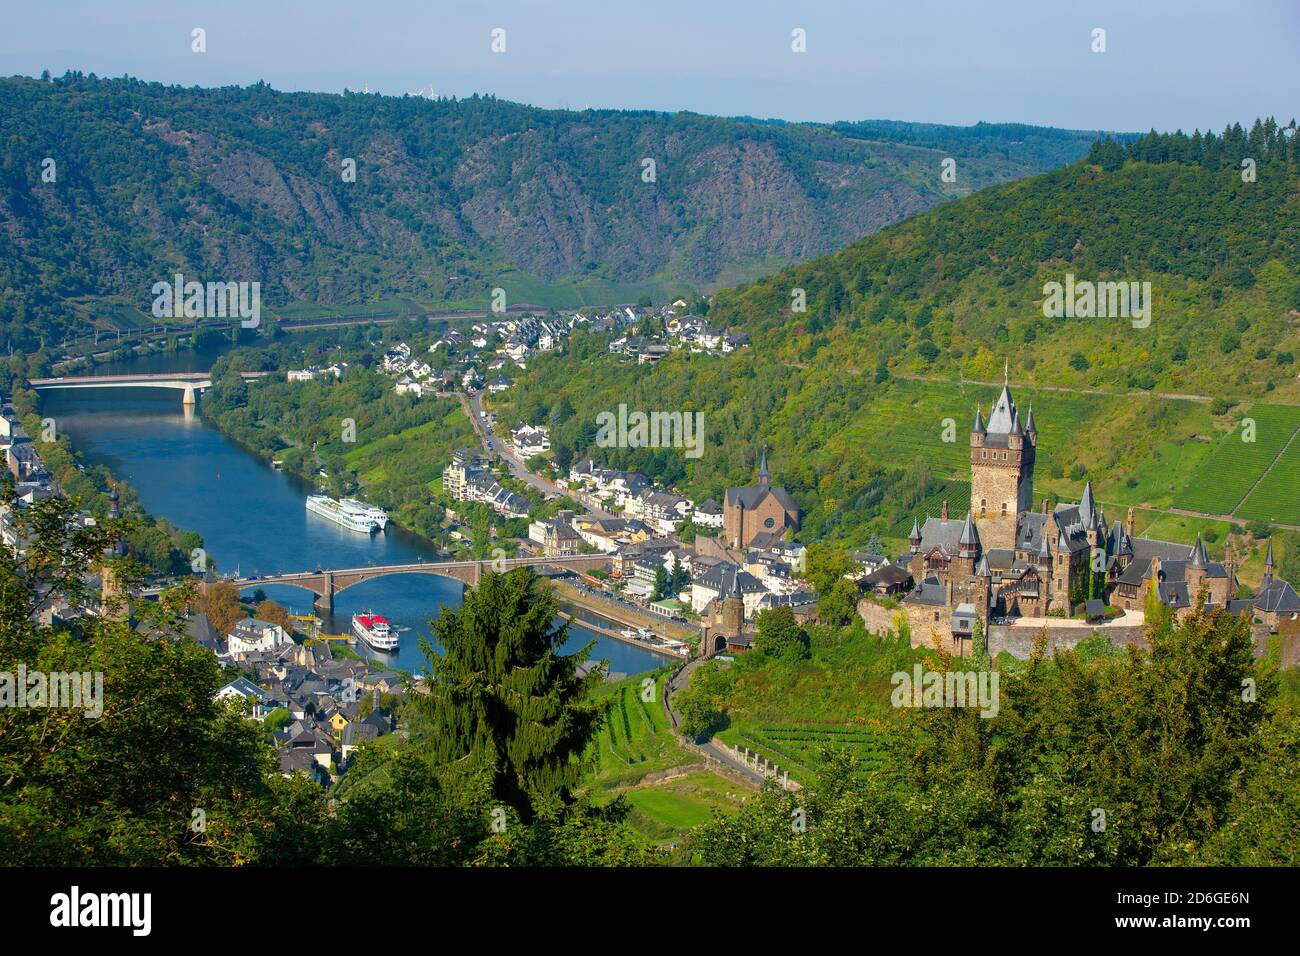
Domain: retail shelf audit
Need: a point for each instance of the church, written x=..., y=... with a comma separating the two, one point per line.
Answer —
x=1006, y=559
x=757, y=516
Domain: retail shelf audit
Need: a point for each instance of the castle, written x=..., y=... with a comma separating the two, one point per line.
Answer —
x=1004, y=559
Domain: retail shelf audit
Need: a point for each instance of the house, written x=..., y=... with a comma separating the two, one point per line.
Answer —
x=557, y=535
x=710, y=583
x=1277, y=604
x=529, y=440
x=500, y=383
x=252, y=635
x=257, y=702
x=707, y=514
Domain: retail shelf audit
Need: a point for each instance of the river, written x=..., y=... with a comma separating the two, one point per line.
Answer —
x=252, y=518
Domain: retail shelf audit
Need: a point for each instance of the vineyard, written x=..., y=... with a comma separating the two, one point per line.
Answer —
x=1235, y=463
x=799, y=747
x=1278, y=496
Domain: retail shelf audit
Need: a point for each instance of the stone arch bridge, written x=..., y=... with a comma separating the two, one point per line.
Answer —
x=327, y=583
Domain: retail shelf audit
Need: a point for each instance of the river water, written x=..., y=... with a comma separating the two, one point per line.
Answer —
x=253, y=519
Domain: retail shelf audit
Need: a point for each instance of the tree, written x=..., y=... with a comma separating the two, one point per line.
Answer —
x=662, y=582
x=221, y=604
x=824, y=565
x=838, y=605
x=780, y=636
x=275, y=614
x=503, y=697
x=1185, y=767
x=120, y=779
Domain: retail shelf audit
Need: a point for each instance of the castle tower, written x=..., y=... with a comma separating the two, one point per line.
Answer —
x=112, y=600
x=1002, y=470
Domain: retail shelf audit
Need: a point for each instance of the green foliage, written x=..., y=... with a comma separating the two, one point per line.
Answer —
x=122, y=787
x=443, y=217
x=505, y=699
x=1163, y=743
x=780, y=636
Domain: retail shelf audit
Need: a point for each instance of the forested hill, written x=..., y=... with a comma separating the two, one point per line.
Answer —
x=451, y=197
x=910, y=328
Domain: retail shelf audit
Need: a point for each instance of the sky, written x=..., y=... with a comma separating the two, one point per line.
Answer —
x=1167, y=64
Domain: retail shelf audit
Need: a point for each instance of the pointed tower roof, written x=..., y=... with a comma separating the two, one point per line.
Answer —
x=1015, y=423
x=969, y=536
x=1004, y=410
x=1030, y=428
x=1268, y=563
x=1198, y=556
x=1088, y=507
x=916, y=532
x=982, y=569
x=1043, y=551
x=763, y=474
x=978, y=428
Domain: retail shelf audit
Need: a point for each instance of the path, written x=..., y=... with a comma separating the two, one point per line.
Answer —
x=674, y=685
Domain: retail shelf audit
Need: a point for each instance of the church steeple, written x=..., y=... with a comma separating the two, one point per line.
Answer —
x=764, y=476
x=1268, y=563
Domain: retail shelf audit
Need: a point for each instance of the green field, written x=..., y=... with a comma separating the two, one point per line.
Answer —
x=1278, y=496
x=1224, y=476
x=664, y=810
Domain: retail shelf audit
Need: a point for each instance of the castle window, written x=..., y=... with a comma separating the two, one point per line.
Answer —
x=936, y=615
x=1004, y=509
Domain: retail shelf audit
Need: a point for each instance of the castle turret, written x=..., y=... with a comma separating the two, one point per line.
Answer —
x=1002, y=471
x=1268, y=564
x=112, y=603
x=914, y=538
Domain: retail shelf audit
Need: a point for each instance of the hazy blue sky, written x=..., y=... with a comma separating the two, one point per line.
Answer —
x=1168, y=63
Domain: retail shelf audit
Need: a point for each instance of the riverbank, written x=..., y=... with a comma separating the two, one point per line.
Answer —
x=622, y=614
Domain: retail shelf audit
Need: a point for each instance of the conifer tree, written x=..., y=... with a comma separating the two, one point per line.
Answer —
x=506, y=698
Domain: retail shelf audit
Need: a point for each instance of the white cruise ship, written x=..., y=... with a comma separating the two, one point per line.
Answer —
x=375, y=631
x=341, y=514
x=378, y=514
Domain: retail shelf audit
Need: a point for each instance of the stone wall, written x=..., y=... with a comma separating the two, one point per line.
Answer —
x=919, y=618
x=1019, y=641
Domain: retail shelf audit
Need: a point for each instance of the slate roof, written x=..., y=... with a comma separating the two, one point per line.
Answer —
x=945, y=535
x=1278, y=596
x=723, y=578
x=930, y=591
x=751, y=496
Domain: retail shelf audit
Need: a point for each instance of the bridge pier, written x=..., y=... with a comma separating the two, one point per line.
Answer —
x=324, y=603
x=189, y=399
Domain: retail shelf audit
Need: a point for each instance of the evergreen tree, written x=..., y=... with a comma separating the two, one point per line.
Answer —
x=506, y=699
x=662, y=582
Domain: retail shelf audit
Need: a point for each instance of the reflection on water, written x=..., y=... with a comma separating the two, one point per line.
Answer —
x=253, y=519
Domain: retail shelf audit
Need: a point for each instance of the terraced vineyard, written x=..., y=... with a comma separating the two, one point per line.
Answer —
x=1278, y=496
x=1222, y=479
x=956, y=493
x=631, y=730
x=798, y=747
